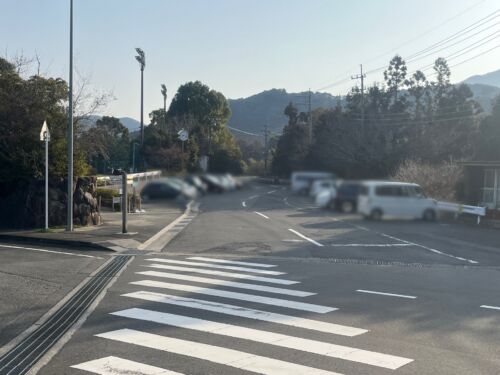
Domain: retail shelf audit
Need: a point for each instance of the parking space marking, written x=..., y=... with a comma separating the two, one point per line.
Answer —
x=261, y=214
x=49, y=251
x=490, y=307
x=305, y=238
x=429, y=249
x=385, y=294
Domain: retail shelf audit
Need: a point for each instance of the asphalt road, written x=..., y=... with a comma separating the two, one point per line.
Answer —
x=321, y=293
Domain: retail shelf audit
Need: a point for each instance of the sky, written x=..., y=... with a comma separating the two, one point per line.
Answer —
x=243, y=47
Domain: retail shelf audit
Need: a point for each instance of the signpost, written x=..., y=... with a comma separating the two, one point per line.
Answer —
x=183, y=136
x=45, y=136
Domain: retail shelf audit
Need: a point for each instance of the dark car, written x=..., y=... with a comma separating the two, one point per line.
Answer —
x=161, y=189
x=346, y=199
x=197, y=182
x=214, y=184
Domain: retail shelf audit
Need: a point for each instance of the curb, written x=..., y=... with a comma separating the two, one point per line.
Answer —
x=54, y=242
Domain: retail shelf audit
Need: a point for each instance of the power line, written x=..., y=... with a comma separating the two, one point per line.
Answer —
x=244, y=132
x=340, y=81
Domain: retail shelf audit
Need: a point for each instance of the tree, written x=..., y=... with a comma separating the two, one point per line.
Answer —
x=395, y=76
x=107, y=144
x=488, y=140
x=442, y=77
x=417, y=86
x=24, y=105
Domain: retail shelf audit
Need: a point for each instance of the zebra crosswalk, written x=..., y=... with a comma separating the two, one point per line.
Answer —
x=213, y=305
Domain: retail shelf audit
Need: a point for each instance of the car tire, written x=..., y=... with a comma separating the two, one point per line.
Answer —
x=376, y=214
x=429, y=215
x=347, y=207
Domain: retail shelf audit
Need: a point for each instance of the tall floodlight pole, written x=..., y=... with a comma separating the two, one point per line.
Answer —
x=164, y=93
x=69, y=219
x=141, y=58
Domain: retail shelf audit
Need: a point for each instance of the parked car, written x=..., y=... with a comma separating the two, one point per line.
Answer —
x=188, y=190
x=214, y=184
x=320, y=185
x=378, y=199
x=347, y=197
x=301, y=181
x=197, y=183
x=161, y=189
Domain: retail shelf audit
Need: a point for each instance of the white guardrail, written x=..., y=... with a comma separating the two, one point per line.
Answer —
x=462, y=209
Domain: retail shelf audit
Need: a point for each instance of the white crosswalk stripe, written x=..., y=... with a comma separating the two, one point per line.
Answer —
x=266, y=337
x=244, y=312
x=205, y=280
x=208, y=265
x=119, y=366
x=216, y=354
x=224, y=274
x=203, y=259
x=239, y=296
x=221, y=273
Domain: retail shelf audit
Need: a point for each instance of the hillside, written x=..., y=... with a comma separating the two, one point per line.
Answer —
x=252, y=113
x=490, y=79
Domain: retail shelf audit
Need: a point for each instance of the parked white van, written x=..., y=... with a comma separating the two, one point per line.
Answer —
x=301, y=181
x=379, y=199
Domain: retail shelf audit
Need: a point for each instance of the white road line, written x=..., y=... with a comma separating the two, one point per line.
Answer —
x=272, y=191
x=369, y=244
x=119, y=366
x=252, y=197
x=239, y=296
x=293, y=240
x=224, y=274
x=233, y=284
x=233, y=262
x=216, y=354
x=490, y=307
x=385, y=294
x=261, y=214
x=244, y=204
x=428, y=248
x=305, y=238
x=285, y=341
x=49, y=251
x=222, y=308
x=209, y=265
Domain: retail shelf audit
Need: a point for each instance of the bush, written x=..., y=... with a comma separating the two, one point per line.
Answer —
x=439, y=181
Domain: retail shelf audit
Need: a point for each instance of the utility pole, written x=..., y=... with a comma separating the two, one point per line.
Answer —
x=266, y=146
x=69, y=200
x=362, y=77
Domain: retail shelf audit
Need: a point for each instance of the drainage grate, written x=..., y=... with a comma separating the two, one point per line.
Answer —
x=25, y=354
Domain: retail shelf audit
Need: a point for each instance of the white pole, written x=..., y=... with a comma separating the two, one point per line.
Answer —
x=46, y=181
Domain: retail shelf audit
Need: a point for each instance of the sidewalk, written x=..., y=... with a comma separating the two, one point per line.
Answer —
x=107, y=236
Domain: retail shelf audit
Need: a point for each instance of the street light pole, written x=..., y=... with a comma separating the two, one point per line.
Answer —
x=141, y=58
x=69, y=200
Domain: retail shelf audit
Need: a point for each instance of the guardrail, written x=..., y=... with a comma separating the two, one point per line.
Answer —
x=462, y=209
